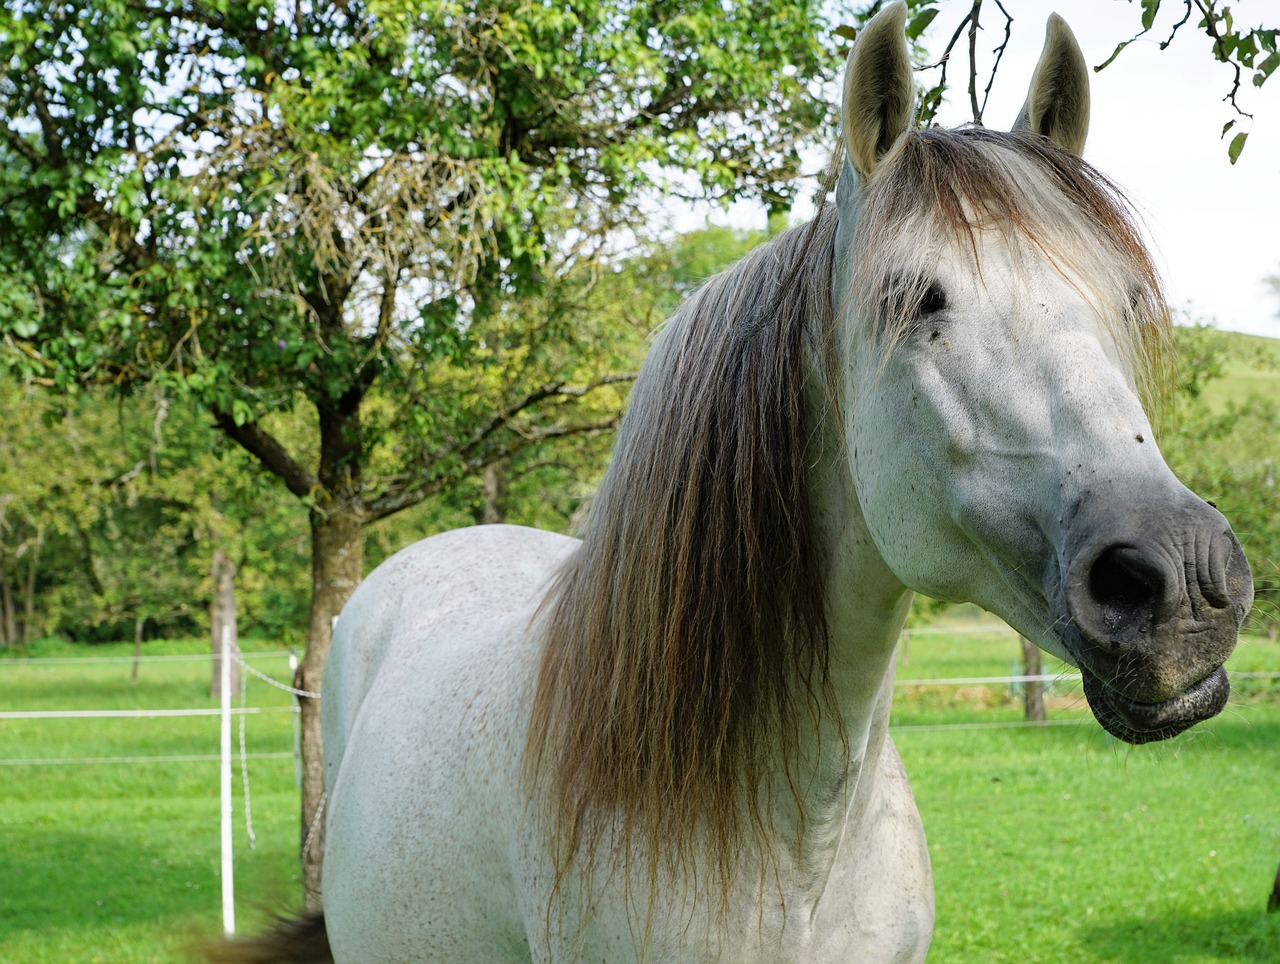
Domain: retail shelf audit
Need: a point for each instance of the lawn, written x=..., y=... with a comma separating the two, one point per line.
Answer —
x=1049, y=843
x=119, y=862
x=1252, y=372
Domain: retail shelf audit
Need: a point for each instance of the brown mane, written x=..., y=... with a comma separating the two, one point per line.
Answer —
x=687, y=635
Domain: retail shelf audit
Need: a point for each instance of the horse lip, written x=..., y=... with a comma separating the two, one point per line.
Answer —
x=1137, y=722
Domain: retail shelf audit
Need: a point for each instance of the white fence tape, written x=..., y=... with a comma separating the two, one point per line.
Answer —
x=134, y=714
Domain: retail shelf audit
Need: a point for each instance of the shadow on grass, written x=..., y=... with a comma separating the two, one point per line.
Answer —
x=1236, y=936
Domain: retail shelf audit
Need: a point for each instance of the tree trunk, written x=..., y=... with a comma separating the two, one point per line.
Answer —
x=337, y=566
x=1032, y=690
x=8, y=614
x=495, y=492
x=222, y=613
x=5, y=641
x=139, y=621
x=29, y=586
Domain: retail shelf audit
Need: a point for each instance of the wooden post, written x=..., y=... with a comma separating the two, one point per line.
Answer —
x=1032, y=690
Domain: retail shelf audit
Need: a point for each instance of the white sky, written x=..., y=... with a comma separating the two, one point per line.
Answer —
x=1155, y=127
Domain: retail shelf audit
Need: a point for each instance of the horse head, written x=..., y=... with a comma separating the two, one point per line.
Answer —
x=1001, y=324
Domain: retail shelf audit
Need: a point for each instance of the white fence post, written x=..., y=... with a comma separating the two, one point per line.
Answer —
x=228, y=884
x=297, y=718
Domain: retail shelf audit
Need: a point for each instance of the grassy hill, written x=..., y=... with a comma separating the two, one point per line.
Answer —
x=1252, y=370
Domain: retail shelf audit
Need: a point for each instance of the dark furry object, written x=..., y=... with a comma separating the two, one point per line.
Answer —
x=291, y=940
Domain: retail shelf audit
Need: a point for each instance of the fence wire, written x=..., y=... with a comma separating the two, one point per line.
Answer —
x=244, y=711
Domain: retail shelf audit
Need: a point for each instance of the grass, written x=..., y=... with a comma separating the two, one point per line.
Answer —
x=1061, y=844
x=1254, y=372
x=1049, y=844
x=120, y=863
x=1055, y=845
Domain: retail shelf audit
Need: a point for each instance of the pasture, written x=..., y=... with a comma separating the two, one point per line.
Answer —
x=1048, y=844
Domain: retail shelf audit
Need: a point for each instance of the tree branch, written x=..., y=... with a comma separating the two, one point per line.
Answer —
x=552, y=390
x=270, y=453
x=404, y=491
x=22, y=146
x=48, y=126
x=974, y=22
x=396, y=499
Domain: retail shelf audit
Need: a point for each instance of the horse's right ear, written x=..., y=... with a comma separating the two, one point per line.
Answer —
x=1058, y=102
x=878, y=94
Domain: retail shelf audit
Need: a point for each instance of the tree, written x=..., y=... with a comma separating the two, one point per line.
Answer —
x=295, y=207
x=111, y=510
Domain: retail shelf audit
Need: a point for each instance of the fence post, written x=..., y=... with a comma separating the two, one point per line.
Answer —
x=228, y=884
x=1033, y=689
x=297, y=718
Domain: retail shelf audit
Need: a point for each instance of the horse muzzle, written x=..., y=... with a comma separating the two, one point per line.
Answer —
x=1154, y=597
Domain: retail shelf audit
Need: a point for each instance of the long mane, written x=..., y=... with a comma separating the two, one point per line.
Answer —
x=687, y=638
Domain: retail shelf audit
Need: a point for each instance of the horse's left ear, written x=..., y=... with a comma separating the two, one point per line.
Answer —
x=1058, y=102
x=878, y=95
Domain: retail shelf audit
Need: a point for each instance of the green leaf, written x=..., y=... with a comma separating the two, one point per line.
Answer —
x=1266, y=68
x=1149, y=10
x=1236, y=146
x=920, y=23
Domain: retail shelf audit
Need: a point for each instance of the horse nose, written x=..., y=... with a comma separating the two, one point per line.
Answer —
x=1119, y=592
x=1156, y=597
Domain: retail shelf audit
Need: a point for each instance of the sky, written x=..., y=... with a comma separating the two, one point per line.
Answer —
x=1154, y=129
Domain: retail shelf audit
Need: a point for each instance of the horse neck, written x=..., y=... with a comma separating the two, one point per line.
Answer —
x=866, y=606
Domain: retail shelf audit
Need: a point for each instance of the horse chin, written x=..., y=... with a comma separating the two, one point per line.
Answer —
x=1137, y=722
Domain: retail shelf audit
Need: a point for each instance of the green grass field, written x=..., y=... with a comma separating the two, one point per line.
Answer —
x=117, y=862
x=1254, y=372
x=1049, y=844
x=1058, y=844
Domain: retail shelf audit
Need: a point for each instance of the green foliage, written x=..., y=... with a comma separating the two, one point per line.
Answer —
x=364, y=236
x=114, y=505
x=112, y=508
x=1247, y=51
x=224, y=195
x=1224, y=442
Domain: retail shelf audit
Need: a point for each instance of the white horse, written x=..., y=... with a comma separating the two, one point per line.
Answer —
x=667, y=742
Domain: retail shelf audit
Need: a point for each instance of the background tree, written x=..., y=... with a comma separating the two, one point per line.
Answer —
x=113, y=509
x=294, y=207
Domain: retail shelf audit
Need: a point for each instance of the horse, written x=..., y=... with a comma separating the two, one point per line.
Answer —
x=668, y=741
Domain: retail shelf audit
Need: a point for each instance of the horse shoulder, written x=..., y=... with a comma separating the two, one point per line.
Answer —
x=430, y=677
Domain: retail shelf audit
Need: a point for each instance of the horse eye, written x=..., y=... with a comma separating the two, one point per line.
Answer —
x=1137, y=296
x=933, y=301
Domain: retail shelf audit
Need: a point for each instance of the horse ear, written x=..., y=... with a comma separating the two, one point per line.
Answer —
x=1058, y=102
x=878, y=94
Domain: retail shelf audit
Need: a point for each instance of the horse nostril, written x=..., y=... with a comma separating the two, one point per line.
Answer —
x=1127, y=587
x=1213, y=575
